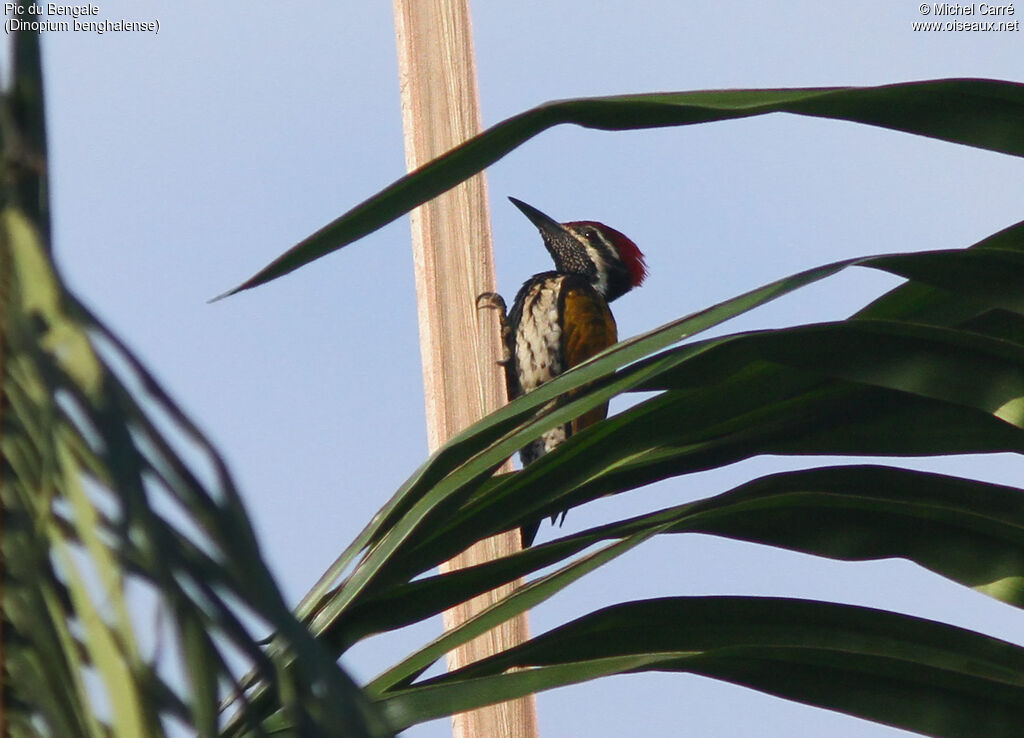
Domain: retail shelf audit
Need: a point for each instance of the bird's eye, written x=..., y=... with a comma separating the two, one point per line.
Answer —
x=589, y=233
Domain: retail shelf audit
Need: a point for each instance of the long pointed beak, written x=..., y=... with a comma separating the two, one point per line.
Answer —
x=545, y=223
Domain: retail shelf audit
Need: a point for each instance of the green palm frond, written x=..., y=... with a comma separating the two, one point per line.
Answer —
x=134, y=591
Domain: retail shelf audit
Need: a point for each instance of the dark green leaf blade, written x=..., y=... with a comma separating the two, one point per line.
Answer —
x=976, y=112
x=731, y=401
x=904, y=671
x=925, y=302
x=968, y=531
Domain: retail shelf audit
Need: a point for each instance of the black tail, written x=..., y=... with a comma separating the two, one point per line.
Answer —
x=528, y=532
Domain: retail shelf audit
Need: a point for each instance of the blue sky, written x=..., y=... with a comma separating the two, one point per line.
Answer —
x=181, y=162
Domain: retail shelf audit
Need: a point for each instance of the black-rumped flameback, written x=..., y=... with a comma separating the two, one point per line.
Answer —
x=561, y=318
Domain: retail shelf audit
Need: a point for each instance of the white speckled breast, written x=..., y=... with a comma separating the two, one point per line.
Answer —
x=539, y=338
x=538, y=352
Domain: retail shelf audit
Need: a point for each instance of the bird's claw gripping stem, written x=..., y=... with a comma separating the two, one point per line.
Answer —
x=494, y=301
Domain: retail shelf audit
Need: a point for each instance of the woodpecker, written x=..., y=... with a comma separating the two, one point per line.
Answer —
x=561, y=318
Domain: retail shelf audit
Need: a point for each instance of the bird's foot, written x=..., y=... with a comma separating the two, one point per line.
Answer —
x=492, y=301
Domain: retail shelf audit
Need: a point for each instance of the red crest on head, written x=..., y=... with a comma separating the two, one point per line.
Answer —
x=630, y=253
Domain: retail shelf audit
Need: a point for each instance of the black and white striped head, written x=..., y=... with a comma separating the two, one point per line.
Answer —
x=613, y=263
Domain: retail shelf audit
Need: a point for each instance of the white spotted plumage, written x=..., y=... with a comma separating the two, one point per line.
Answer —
x=538, y=351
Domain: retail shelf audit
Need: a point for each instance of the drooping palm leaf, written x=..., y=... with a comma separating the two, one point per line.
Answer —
x=977, y=112
x=904, y=671
x=968, y=531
